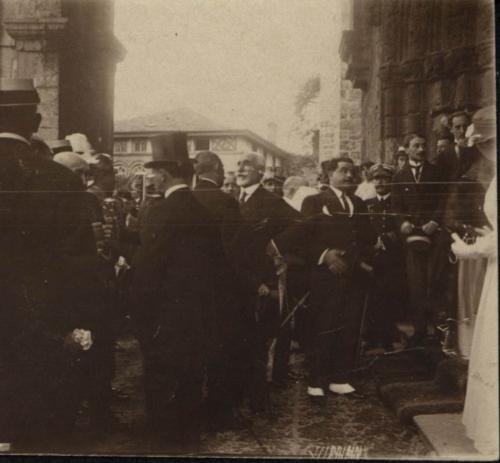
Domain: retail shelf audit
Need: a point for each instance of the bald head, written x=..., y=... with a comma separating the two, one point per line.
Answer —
x=251, y=168
x=209, y=166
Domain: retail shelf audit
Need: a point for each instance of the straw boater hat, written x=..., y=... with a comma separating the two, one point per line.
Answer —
x=71, y=160
x=18, y=92
x=58, y=146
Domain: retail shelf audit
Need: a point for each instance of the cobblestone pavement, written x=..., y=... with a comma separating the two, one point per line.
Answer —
x=343, y=429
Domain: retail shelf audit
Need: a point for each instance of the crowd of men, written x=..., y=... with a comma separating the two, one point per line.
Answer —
x=219, y=275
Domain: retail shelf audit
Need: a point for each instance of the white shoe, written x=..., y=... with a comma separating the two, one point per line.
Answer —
x=341, y=388
x=315, y=391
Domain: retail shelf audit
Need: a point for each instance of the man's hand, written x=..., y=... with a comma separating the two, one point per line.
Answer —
x=334, y=261
x=406, y=228
x=430, y=228
x=379, y=245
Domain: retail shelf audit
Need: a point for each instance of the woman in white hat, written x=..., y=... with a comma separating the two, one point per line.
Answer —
x=481, y=418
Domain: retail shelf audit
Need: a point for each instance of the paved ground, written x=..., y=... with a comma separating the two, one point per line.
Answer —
x=343, y=429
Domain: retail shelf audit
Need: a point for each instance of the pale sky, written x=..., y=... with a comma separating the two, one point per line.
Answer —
x=238, y=62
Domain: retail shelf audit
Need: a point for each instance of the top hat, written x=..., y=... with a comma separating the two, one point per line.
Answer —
x=168, y=149
x=18, y=92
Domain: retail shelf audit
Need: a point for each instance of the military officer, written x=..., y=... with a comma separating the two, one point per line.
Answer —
x=48, y=261
x=387, y=293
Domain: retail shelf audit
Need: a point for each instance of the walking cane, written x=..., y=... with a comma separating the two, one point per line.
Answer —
x=359, y=347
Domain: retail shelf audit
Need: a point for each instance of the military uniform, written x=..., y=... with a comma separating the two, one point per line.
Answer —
x=388, y=294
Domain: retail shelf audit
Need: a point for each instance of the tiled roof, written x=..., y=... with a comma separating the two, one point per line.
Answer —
x=178, y=119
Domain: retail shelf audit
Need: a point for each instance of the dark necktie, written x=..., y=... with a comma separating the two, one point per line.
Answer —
x=343, y=202
x=243, y=197
x=417, y=170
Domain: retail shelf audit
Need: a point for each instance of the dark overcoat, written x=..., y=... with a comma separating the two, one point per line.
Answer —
x=48, y=285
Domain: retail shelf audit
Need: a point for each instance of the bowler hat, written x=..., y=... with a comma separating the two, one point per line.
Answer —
x=18, y=92
x=168, y=149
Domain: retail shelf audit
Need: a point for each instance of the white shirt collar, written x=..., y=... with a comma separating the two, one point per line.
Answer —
x=415, y=163
x=338, y=192
x=170, y=190
x=208, y=180
x=14, y=136
x=288, y=201
x=249, y=191
x=384, y=197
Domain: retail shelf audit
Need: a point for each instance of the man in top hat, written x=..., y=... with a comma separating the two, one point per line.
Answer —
x=333, y=241
x=417, y=198
x=46, y=275
x=388, y=284
x=173, y=291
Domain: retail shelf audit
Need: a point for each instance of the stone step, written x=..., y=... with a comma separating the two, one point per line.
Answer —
x=408, y=399
x=445, y=435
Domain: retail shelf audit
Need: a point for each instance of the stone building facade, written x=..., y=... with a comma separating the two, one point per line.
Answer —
x=415, y=61
x=340, y=102
x=68, y=47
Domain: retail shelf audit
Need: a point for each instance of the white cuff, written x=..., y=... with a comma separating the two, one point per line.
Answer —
x=322, y=257
x=315, y=391
x=341, y=388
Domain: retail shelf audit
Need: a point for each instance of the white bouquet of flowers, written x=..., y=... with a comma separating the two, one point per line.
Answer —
x=83, y=338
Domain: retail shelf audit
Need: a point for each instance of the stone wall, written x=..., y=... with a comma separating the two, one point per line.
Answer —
x=68, y=47
x=350, y=121
x=415, y=61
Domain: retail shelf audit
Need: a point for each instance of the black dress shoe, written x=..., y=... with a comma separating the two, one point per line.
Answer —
x=355, y=395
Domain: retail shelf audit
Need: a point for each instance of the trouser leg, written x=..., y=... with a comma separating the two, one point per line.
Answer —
x=417, y=262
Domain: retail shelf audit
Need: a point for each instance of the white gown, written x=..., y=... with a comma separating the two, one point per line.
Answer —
x=481, y=417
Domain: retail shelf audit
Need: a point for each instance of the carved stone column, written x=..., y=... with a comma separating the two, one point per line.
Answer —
x=37, y=42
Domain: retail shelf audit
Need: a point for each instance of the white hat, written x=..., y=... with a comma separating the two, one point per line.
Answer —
x=71, y=160
x=79, y=143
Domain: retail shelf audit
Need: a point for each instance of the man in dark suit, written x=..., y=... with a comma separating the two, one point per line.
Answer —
x=333, y=241
x=46, y=281
x=459, y=157
x=418, y=199
x=173, y=286
x=264, y=215
x=226, y=370
x=388, y=292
